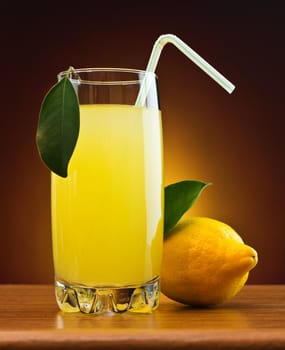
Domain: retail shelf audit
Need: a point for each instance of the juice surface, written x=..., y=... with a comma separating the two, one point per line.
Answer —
x=107, y=215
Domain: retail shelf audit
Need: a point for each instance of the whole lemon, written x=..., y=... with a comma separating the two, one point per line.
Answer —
x=205, y=262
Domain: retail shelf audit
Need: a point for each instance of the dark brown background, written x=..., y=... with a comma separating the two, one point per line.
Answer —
x=235, y=141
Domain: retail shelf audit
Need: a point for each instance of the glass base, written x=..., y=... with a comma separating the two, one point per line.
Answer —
x=139, y=298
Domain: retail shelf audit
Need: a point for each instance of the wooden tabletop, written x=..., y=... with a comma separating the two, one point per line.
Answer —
x=254, y=319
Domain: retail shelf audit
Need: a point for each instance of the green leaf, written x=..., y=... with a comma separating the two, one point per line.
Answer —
x=58, y=126
x=178, y=198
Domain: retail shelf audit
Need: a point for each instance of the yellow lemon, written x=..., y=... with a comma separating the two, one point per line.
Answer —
x=205, y=262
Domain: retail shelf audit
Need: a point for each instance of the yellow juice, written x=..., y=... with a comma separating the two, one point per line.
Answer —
x=107, y=215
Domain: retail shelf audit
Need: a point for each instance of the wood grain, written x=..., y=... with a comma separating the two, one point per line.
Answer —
x=254, y=319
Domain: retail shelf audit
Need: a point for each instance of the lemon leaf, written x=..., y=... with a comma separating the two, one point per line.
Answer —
x=178, y=198
x=58, y=126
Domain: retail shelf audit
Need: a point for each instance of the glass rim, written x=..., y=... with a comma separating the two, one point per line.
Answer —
x=77, y=80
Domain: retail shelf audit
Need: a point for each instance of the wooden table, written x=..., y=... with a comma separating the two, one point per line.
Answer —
x=254, y=319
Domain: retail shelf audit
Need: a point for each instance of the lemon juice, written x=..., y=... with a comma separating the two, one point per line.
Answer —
x=107, y=214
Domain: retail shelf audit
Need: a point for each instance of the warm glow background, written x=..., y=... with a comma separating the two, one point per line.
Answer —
x=234, y=141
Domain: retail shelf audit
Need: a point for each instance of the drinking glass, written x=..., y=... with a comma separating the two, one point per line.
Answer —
x=107, y=214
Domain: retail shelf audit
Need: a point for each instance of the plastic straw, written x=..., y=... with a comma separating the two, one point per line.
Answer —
x=190, y=53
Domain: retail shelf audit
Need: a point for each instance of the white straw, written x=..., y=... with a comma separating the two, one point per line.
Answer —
x=190, y=53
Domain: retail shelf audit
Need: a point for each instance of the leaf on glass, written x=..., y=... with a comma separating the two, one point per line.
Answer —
x=58, y=126
x=178, y=198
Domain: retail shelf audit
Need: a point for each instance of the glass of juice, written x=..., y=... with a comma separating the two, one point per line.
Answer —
x=107, y=214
